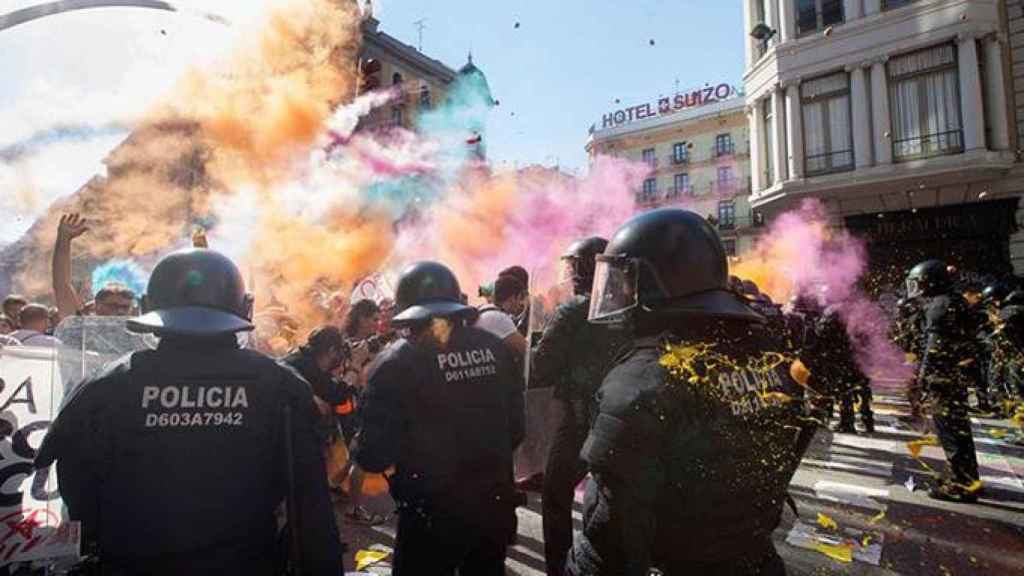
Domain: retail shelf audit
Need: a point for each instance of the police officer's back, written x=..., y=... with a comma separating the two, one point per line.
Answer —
x=174, y=458
x=695, y=440
x=444, y=406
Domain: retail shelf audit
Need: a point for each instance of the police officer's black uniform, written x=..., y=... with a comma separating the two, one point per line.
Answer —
x=945, y=373
x=447, y=417
x=174, y=459
x=696, y=436
x=835, y=366
x=1009, y=345
x=573, y=356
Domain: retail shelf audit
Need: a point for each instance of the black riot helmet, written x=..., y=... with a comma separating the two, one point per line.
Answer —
x=994, y=293
x=928, y=278
x=750, y=289
x=666, y=261
x=195, y=292
x=579, y=264
x=427, y=290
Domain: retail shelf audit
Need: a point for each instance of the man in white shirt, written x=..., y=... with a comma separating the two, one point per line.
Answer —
x=496, y=318
x=34, y=321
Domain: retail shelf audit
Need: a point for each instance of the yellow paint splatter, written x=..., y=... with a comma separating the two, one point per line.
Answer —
x=997, y=433
x=877, y=518
x=838, y=552
x=826, y=522
x=366, y=558
x=915, y=446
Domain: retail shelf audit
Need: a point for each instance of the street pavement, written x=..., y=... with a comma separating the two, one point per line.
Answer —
x=863, y=508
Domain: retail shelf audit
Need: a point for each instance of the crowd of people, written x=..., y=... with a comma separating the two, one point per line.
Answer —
x=684, y=396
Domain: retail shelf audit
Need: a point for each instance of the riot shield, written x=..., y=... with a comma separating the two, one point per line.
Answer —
x=88, y=343
x=541, y=411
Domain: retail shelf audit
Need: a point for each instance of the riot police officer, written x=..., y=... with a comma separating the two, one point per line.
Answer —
x=943, y=376
x=696, y=434
x=836, y=368
x=573, y=356
x=444, y=407
x=174, y=459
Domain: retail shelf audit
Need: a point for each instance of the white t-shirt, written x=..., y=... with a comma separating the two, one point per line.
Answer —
x=496, y=321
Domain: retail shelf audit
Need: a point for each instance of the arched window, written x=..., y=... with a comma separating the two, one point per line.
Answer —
x=425, y=97
x=396, y=79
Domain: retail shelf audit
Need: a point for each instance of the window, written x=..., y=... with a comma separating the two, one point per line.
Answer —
x=730, y=247
x=890, y=4
x=681, y=185
x=425, y=97
x=828, y=136
x=724, y=145
x=768, y=123
x=815, y=15
x=649, y=158
x=924, y=100
x=396, y=79
x=762, y=45
x=680, y=153
x=727, y=215
x=726, y=180
x=650, y=192
x=397, y=116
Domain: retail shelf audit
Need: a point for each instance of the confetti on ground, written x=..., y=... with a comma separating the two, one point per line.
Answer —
x=910, y=484
x=847, y=546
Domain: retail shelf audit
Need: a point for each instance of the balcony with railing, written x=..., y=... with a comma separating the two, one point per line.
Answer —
x=829, y=162
x=723, y=150
x=677, y=160
x=929, y=145
x=738, y=223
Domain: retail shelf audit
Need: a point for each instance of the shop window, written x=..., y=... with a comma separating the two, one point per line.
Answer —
x=828, y=135
x=816, y=15
x=729, y=245
x=924, y=99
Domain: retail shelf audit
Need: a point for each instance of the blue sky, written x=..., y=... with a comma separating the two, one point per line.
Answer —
x=569, y=60
x=555, y=75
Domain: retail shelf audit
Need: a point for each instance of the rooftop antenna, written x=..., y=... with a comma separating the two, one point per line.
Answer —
x=420, y=25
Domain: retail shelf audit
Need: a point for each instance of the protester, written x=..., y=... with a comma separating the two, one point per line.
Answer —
x=498, y=318
x=6, y=326
x=520, y=308
x=688, y=469
x=111, y=300
x=324, y=351
x=34, y=320
x=164, y=488
x=361, y=331
x=443, y=408
x=12, y=308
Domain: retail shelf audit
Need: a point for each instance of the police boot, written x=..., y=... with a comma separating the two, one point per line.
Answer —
x=948, y=491
x=869, y=424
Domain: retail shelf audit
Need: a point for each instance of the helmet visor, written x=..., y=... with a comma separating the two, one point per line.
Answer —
x=914, y=287
x=615, y=288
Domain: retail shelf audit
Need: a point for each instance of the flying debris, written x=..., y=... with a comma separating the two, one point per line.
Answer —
x=652, y=41
x=517, y=26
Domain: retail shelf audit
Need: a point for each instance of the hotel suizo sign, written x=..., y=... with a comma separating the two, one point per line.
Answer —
x=665, y=106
